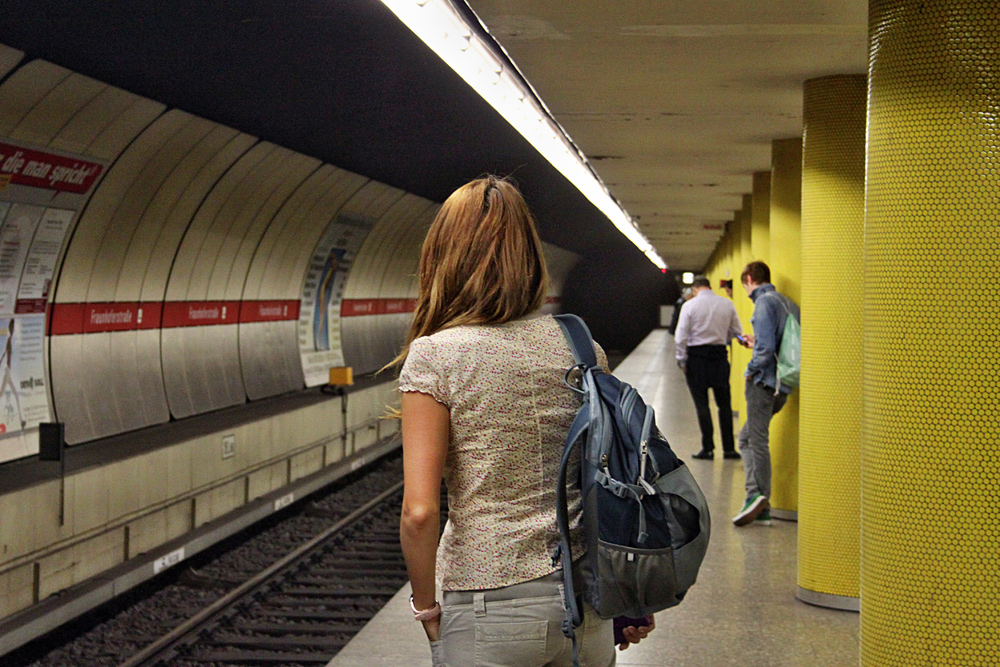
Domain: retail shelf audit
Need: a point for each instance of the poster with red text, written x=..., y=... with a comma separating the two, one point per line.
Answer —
x=41, y=192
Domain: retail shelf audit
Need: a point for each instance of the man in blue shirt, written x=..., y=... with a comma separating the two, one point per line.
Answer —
x=765, y=395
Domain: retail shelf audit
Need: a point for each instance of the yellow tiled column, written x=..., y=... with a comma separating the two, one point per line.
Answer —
x=930, y=580
x=833, y=224
x=785, y=204
x=739, y=358
x=760, y=236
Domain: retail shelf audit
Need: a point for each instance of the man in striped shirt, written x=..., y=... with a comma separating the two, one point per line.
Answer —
x=707, y=323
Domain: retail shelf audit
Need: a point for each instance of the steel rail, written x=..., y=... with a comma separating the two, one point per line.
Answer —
x=153, y=651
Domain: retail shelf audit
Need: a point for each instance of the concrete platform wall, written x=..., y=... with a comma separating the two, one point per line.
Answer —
x=123, y=509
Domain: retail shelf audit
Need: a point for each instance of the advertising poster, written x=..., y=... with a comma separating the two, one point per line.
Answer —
x=322, y=293
x=15, y=240
x=30, y=240
x=41, y=192
x=40, y=263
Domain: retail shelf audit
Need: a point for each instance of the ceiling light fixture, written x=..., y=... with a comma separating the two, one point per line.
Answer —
x=446, y=31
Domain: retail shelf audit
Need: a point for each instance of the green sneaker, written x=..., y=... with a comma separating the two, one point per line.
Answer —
x=751, y=509
x=764, y=518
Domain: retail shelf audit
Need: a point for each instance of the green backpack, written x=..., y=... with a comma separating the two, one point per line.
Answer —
x=790, y=351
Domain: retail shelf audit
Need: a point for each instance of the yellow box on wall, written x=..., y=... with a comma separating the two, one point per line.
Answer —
x=341, y=375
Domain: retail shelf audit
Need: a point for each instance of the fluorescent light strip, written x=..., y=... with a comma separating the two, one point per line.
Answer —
x=443, y=29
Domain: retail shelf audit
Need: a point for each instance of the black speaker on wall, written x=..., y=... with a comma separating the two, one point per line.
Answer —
x=51, y=441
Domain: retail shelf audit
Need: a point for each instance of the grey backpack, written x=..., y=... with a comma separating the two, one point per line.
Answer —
x=645, y=522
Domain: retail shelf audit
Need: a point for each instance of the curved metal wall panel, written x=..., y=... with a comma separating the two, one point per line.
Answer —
x=187, y=371
x=202, y=363
x=269, y=351
x=135, y=373
x=95, y=381
x=53, y=118
x=146, y=264
x=168, y=236
x=9, y=58
x=369, y=340
x=25, y=88
x=104, y=126
x=56, y=109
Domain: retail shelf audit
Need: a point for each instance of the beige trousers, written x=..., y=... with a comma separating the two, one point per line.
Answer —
x=518, y=626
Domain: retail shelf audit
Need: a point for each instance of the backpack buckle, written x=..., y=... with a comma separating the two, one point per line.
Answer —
x=578, y=367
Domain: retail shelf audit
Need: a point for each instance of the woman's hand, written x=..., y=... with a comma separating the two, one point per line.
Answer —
x=433, y=629
x=634, y=635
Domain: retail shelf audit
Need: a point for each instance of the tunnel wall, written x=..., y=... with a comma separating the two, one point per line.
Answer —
x=206, y=268
x=197, y=270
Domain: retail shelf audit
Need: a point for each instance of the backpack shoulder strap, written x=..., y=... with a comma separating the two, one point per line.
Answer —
x=581, y=343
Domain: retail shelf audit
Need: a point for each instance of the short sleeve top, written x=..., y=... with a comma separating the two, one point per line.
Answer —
x=510, y=411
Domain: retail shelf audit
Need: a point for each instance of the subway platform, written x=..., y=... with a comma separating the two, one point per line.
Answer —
x=742, y=611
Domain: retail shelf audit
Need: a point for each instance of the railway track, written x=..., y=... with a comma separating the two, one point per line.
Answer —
x=292, y=590
x=302, y=609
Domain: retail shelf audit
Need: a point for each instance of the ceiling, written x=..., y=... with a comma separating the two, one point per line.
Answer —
x=676, y=102
x=342, y=81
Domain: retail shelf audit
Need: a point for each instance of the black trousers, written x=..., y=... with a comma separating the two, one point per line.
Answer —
x=708, y=368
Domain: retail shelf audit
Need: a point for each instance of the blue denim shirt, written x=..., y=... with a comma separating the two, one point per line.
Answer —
x=769, y=313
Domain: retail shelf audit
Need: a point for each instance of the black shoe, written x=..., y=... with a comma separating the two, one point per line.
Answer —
x=705, y=454
x=731, y=455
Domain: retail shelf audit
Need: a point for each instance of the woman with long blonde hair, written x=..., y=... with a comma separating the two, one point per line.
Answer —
x=485, y=405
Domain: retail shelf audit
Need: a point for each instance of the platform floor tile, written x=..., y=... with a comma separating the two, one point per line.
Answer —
x=742, y=612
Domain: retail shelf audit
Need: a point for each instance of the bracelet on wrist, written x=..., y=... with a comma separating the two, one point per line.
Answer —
x=428, y=614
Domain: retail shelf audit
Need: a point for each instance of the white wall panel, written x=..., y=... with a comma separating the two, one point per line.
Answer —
x=103, y=111
x=162, y=223
x=122, y=129
x=380, y=272
x=172, y=230
x=115, y=279
x=54, y=110
x=62, y=118
x=286, y=268
x=67, y=367
x=218, y=248
x=82, y=253
x=122, y=385
x=186, y=382
x=9, y=58
x=85, y=378
x=25, y=88
x=237, y=253
x=269, y=351
x=372, y=201
x=225, y=193
x=111, y=279
x=269, y=358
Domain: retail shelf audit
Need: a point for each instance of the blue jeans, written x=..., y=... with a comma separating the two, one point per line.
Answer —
x=762, y=404
x=519, y=626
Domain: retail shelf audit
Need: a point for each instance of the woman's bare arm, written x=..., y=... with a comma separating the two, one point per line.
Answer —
x=426, y=430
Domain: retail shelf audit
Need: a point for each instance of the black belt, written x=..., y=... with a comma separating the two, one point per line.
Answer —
x=706, y=350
